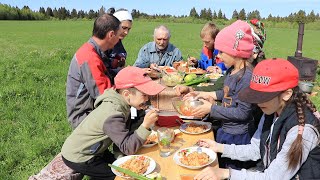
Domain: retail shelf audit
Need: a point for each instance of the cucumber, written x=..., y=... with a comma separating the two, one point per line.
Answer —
x=197, y=81
x=130, y=173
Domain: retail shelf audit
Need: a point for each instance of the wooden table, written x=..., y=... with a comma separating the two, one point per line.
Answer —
x=166, y=166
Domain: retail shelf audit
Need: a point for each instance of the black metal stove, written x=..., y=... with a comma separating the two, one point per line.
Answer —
x=307, y=67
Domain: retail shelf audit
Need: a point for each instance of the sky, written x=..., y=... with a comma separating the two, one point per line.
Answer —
x=179, y=7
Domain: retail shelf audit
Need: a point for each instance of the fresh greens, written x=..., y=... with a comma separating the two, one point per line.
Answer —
x=165, y=142
x=197, y=80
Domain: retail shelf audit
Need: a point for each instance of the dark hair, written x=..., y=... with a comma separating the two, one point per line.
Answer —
x=131, y=90
x=111, y=10
x=301, y=100
x=103, y=24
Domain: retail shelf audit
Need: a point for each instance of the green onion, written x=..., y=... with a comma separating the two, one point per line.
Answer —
x=128, y=172
x=197, y=81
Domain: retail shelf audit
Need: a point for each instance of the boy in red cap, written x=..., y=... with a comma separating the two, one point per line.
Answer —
x=287, y=139
x=86, y=149
x=235, y=45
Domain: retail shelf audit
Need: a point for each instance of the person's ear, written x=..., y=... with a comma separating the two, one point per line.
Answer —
x=286, y=95
x=126, y=93
x=110, y=34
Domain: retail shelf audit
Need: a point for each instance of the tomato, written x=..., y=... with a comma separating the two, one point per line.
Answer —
x=186, y=110
x=169, y=70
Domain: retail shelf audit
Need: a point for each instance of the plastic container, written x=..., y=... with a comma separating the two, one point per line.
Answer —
x=306, y=86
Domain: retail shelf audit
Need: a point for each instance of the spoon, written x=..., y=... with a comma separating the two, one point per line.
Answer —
x=156, y=69
x=199, y=150
x=179, y=122
x=165, y=72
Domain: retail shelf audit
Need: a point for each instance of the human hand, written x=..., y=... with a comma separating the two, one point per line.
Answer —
x=202, y=110
x=206, y=97
x=181, y=89
x=150, y=118
x=192, y=61
x=211, y=173
x=211, y=144
x=153, y=66
x=147, y=70
x=214, y=69
x=190, y=96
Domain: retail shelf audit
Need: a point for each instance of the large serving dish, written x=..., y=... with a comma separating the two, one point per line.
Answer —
x=305, y=86
x=185, y=108
x=184, y=153
x=120, y=161
x=172, y=79
x=195, y=127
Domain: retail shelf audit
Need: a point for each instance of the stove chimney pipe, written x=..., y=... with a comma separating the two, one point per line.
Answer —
x=298, y=52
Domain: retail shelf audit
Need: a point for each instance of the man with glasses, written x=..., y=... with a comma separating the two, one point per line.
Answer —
x=159, y=52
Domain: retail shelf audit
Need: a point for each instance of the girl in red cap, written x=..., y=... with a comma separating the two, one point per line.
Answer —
x=235, y=45
x=287, y=139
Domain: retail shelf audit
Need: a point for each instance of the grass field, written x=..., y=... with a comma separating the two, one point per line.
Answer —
x=35, y=57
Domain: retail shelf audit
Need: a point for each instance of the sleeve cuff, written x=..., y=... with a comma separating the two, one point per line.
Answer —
x=213, y=110
x=226, y=150
x=219, y=94
x=142, y=132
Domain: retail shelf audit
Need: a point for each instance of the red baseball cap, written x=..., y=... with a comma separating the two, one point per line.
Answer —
x=135, y=77
x=269, y=79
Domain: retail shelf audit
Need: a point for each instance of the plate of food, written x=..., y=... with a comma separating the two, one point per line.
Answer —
x=136, y=163
x=195, y=127
x=214, y=76
x=194, y=157
x=168, y=69
x=151, y=140
x=192, y=70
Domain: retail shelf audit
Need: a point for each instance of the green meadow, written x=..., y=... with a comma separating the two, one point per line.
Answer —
x=35, y=57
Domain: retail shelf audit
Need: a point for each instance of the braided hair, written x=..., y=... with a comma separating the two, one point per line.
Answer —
x=301, y=100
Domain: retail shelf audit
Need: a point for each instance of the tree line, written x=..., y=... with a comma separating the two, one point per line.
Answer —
x=8, y=12
x=300, y=16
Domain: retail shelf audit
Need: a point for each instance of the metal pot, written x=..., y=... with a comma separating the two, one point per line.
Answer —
x=306, y=86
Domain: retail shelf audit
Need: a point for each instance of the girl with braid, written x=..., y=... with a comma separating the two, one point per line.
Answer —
x=287, y=139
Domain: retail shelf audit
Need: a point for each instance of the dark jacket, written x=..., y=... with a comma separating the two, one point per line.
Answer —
x=115, y=59
x=288, y=119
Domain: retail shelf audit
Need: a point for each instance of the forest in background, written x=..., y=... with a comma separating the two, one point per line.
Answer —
x=8, y=12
